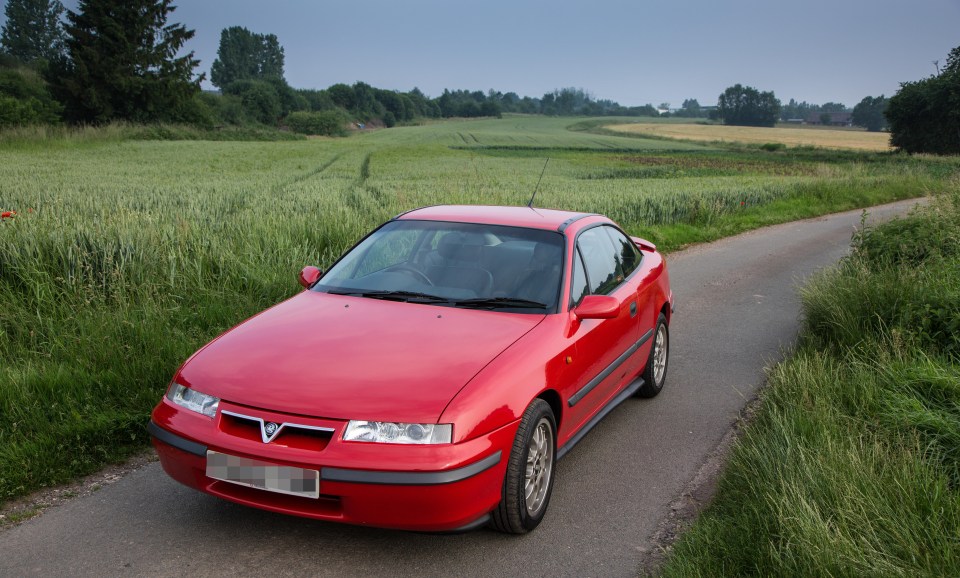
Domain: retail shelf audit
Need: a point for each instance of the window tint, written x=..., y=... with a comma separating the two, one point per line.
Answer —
x=627, y=255
x=600, y=260
x=579, y=287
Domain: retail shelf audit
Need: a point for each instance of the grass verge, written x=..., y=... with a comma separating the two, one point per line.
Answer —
x=852, y=464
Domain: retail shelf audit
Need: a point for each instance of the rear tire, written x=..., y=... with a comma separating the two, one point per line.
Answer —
x=655, y=373
x=528, y=482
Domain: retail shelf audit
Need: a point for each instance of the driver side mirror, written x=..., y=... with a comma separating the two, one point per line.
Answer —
x=597, y=307
x=309, y=275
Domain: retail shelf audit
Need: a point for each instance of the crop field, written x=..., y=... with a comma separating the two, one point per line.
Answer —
x=824, y=137
x=125, y=256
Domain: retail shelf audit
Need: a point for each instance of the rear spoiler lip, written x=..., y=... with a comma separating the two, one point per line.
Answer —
x=643, y=244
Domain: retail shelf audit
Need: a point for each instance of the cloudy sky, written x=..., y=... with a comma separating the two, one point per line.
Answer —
x=631, y=51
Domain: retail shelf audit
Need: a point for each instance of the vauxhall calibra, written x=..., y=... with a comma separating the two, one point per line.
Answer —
x=431, y=378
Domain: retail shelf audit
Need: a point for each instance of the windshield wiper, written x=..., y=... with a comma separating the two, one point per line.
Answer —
x=506, y=302
x=410, y=296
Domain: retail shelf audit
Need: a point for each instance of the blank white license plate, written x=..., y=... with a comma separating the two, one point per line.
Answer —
x=263, y=475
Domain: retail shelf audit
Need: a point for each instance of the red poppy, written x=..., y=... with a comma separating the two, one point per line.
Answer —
x=8, y=214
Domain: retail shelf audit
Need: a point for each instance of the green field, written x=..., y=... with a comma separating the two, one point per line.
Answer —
x=127, y=255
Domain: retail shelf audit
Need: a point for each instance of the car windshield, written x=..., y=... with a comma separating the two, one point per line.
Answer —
x=455, y=264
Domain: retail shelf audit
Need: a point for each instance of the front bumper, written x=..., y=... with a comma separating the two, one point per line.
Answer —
x=447, y=487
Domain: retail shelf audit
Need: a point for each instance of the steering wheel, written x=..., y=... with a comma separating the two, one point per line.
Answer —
x=413, y=272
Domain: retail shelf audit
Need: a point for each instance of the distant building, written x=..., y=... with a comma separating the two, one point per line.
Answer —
x=836, y=118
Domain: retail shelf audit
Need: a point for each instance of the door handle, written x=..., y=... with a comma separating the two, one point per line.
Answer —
x=633, y=309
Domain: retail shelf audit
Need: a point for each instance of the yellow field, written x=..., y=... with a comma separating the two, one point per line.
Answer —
x=790, y=136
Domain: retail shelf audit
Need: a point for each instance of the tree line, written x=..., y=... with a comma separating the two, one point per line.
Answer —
x=120, y=60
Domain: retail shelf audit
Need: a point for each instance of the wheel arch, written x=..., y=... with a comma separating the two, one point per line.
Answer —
x=556, y=405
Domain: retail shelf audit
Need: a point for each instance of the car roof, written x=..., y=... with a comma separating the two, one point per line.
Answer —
x=529, y=217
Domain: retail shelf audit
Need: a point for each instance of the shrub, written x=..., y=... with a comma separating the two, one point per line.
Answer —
x=915, y=239
x=328, y=122
x=226, y=108
x=24, y=99
x=389, y=119
x=903, y=278
x=260, y=100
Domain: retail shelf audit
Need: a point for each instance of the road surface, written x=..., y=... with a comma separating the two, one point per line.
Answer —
x=737, y=312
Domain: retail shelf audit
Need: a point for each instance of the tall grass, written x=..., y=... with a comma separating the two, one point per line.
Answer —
x=128, y=255
x=852, y=465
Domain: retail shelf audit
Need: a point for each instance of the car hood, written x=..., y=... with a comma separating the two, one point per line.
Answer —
x=345, y=357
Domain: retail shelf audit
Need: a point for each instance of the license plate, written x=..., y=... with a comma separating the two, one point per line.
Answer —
x=263, y=475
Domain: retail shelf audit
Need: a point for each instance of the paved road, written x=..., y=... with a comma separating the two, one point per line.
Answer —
x=736, y=312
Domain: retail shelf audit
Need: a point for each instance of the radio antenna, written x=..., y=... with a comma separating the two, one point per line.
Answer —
x=537, y=188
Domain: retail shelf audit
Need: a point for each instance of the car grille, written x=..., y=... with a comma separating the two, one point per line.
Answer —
x=289, y=434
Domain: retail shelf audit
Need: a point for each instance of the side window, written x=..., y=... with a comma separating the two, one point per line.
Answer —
x=600, y=261
x=627, y=254
x=579, y=287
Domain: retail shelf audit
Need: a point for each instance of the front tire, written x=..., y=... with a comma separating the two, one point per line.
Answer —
x=655, y=373
x=528, y=482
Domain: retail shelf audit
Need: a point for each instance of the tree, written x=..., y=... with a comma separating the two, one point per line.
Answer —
x=833, y=107
x=689, y=109
x=924, y=116
x=317, y=100
x=869, y=113
x=33, y=30
x=794, y=110
x=342, y=95
x=244, y=55
x=122, y=64
x=365, y=103
x=394, y=104
x=746, y=106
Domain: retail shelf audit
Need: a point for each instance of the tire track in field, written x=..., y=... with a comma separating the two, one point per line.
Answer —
x=360, y=196
x=281, y=187
x=602, y=144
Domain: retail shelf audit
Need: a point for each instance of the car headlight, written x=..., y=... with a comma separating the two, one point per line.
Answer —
x=193, y=400
x=398, y=433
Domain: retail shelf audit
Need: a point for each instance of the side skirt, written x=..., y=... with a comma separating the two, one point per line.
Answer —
x=575, y=398
x=623, y=395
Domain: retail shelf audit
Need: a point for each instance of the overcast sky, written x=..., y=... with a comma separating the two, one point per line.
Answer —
x=631, y=51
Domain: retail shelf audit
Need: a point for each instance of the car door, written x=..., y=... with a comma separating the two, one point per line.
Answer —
x=636, y=277
x=605, y=352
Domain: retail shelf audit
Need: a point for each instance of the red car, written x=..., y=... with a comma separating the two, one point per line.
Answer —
x=429, y=380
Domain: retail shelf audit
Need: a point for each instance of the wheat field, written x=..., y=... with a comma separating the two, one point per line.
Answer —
x=823, y=137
